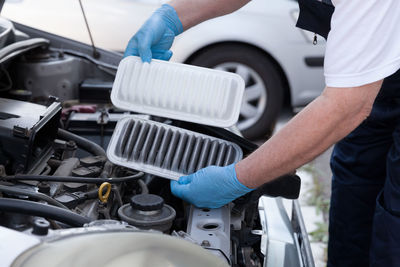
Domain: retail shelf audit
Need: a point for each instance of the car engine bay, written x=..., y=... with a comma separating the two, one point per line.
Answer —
x=56, y=180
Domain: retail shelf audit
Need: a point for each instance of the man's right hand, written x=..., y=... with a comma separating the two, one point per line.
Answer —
x=155, y=37
x=211, y=187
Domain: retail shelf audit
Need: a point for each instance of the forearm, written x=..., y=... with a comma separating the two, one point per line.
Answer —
x=322, y=123
x=193, y=12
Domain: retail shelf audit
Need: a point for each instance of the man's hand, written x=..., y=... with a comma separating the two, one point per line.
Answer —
x=211, y=187
x=155, y=37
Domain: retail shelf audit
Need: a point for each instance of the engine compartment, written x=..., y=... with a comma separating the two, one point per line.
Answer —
x=56, y=120
x=93, y=189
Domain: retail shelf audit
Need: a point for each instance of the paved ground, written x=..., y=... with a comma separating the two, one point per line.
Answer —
x=314, y=197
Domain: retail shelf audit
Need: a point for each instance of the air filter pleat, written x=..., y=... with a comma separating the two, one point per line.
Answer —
x=131, y=140
x=212, y=155
x=203, y=154
x=180, y=149
x=229, y=156
x=163, y=148
x=195, y=155
x=171, y=150
x=127, y=128
x=221, y=155
x=166, y=150
x=140, y=141
x=148, y=143
x=186, y=155
x=156, y=145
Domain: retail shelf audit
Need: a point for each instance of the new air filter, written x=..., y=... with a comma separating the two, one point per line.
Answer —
x=165, y=150
x=178, y=91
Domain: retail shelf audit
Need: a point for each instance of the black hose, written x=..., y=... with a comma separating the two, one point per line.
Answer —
x=83, y=143
x=35, y=195
x=143, y=187
x=42, y=210
x=71, y=179
x=107, y=169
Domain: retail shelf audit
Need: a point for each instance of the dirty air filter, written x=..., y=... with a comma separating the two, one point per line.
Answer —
x=178, y=91
x=165, y=150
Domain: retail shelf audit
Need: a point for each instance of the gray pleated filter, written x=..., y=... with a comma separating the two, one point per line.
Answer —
x=167, y=151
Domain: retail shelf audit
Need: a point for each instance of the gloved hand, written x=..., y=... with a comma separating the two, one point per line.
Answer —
x=155, y=37
x=211, y=187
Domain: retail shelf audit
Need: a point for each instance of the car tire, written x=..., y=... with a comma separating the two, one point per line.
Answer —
x=264, y=92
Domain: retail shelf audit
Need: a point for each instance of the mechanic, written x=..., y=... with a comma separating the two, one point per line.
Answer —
x=359, y=110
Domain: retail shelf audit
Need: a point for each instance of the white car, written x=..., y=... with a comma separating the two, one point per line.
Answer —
x=260, y=42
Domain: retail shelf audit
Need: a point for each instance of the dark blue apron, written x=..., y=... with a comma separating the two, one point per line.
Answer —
x=364, y=223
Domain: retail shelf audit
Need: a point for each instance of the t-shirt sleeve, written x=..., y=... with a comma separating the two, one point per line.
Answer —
x=363, y=45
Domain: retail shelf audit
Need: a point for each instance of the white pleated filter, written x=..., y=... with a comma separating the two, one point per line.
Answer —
x=178, y=91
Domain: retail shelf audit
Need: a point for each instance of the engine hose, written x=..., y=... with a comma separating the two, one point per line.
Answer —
x=35, y=195
x=42, y=210
x=71, y=179
x=143, y=187
x=107, y=169
x=81, y=142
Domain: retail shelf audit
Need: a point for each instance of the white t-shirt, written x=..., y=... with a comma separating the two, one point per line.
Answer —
x=363, y=45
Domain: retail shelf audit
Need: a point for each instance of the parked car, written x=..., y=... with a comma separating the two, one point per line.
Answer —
x=278, y=62
x=63, y=203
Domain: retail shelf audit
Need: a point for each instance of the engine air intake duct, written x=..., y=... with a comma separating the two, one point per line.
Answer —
x=27, y=132
x=166, y=150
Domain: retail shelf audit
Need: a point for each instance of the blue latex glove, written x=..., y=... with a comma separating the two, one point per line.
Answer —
x=155, y=37
x=211, y=187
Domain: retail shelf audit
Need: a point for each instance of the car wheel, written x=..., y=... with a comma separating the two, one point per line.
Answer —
x=263, y=96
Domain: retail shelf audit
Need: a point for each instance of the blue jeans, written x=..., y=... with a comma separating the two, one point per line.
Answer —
x=364, y=221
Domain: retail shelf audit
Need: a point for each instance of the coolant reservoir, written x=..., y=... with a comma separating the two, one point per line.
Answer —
x=148, y=211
